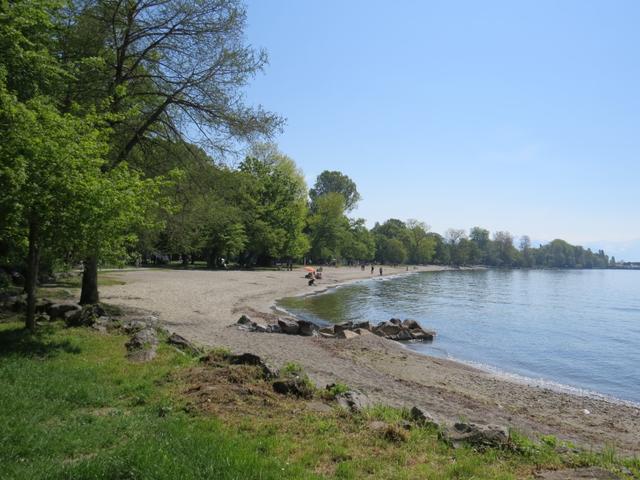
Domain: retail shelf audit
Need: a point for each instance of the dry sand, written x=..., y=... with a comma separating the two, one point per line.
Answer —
x=204, y=305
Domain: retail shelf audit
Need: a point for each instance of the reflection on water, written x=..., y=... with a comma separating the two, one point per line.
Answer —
x=577, y=327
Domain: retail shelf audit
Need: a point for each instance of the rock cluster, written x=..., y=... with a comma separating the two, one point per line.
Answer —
x=394, y=329
x=480, y=436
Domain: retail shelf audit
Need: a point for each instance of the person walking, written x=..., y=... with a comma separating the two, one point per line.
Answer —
x=380, y=271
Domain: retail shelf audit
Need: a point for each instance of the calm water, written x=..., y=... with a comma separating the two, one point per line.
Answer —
x=576, y=328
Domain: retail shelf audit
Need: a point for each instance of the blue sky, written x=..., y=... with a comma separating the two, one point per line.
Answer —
x=519, y=116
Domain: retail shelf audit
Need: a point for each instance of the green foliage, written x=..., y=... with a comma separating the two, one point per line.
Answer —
x=335, y=182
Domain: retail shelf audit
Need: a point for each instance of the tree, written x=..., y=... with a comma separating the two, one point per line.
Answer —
x=421, y=247
x=328, y=228
x=335, y=182
x=163, y=70
x=359, y=243
x=275, y=206
x=48, y=156
x=391, y=250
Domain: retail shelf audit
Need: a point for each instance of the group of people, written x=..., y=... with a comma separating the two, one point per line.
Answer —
x=373, y=268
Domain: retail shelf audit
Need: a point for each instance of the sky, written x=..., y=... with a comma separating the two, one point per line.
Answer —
x=520, y=116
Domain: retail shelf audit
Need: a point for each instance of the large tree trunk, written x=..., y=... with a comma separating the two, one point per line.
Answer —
x=33, y=261
x=89, y=294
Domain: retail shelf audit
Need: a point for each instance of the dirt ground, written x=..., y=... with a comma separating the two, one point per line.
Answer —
x=204, y=305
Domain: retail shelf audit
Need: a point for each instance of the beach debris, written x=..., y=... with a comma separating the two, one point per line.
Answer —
x=480, y=436
x=353, y=400
x=143, y=345
x=268, y=371
x=591, y=473
x=423, y=417
x=586, y=412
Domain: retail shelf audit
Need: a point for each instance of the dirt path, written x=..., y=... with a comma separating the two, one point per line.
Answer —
x=202, y=306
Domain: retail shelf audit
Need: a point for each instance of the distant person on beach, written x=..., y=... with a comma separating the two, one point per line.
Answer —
x=371, y=269
x=362, y=267
x=380, y=270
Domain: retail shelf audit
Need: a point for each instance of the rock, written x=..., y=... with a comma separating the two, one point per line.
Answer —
x=57, y=310
x=43, y=318
x=143, y=345
x=42, y=305
x=423, y=335
x=362, y=325
x=481, y=436
x=353, y=401
x=244, y=320
x=422, y=417
x=307, y=329
x=293, y=386
x=340, y=327
x=378, y=425
x=84, y=317
x=182, y=343
x=387, y=329
x=346, y=334
x=17, y=279
x=104, y=324
x=327, y=330
x=592, y=473
x=411, y=324
x=362, y=331
x=252, y=359
x=288, y=326
x=402, y=335
x=395, y=321
x=259, y=327
x=274, y=328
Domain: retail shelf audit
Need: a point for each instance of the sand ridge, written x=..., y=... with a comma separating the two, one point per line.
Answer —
x=203, y=306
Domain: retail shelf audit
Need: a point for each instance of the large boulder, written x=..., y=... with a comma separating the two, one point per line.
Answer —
x=410, y=324
x=422, y=335
x=422, y=417
x=183, y=344
x=307, y=328
x=387, y=329
x=480, y=436
x=143, y=345
x=339, y=327
x=353, y=401
x=84, y=317
x=289, y=326
x=57, y=310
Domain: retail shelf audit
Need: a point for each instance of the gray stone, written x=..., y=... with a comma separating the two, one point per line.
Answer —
x=288, y=326
x=423, y=335
x=182, y=343
x=481, y=436
x=84, y=317
x=274, y=328
x=402, y=335
x=57, y=310
x=386, y=329
x=411, y=324
x=346, y=334
x=143, y=345
x=423, y=417
x=395, y=321
x=339, y=327
x=244, y=320
x=363, y=325
x=307, y=328
x=353, y=401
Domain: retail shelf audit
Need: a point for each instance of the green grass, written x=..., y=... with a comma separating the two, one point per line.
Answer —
x=72, y=407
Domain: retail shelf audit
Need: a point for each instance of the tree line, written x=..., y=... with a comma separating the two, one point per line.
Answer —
x=121, y=125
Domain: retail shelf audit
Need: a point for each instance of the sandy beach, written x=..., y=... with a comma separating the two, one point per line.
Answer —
x=203, y=306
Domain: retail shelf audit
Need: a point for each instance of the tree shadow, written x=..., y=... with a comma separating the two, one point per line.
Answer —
x=23, y=343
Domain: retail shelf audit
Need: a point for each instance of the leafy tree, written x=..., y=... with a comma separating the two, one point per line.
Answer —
x=335, y=182
x=359, y=244
x=275, y=205
x=391, y=250
x=420, y=245
x=162, y=70
x=328, y=228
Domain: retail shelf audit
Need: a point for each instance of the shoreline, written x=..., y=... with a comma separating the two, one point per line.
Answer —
x=498, y=372
x=203, y=306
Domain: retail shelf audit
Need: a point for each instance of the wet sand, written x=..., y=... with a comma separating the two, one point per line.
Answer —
x=204, y=305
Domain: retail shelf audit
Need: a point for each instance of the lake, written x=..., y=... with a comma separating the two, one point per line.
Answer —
x=575, y=330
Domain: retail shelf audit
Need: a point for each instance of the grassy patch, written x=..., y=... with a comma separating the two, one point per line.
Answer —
x=72, y=407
